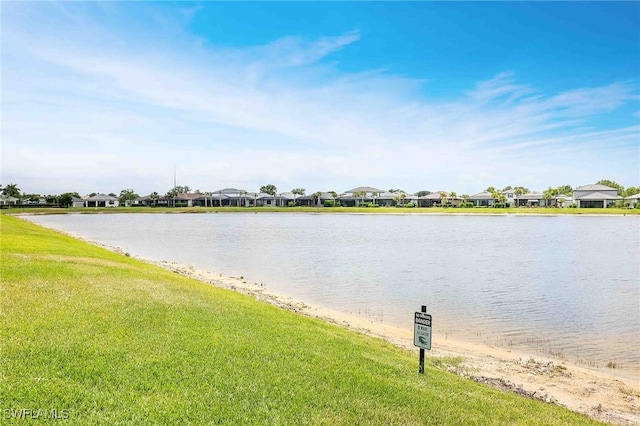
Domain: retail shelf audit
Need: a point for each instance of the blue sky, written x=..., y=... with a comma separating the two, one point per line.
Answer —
x=98, y=97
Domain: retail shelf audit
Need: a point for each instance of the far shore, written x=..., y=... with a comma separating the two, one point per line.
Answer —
x=524, y=211
x=597, y=393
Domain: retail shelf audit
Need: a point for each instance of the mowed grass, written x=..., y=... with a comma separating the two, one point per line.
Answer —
x=115, y=341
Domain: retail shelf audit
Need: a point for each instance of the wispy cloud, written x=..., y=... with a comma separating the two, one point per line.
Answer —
x=294, y=51
x=280, y=112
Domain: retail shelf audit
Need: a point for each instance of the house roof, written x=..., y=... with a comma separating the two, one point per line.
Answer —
x=263, y=195
x=367, y=189
x=214, y=196
x=531, y=196
x=633, y=197
x=595, y=187
x=482, y=196
x=434, y=195
x=102, y=197
x=386, y=195
x=323, y=196
x=230, y=191
x=596, y=196
x=187, y=196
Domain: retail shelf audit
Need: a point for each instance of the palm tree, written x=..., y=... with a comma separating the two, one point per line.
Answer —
x=443, y=197
x=561, y=201
x=465, y=199
x=11, y=190
x=154, y=197
x=334, y=195
x=495, y=195
x=270, y=189
x=374, y=195
x=547, y=194
x=297, y=191
x=316, y=197
x=452, y=196
x=518, y=191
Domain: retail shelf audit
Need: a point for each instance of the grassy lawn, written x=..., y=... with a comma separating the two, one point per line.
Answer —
x=360, y=210
x=112, y=340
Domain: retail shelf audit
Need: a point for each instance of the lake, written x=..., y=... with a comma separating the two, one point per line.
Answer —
x=562, y=286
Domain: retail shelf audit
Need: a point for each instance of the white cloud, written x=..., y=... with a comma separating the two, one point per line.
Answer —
x=78, y=115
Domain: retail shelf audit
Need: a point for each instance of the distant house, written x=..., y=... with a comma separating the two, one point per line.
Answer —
x=632, y=200
x=151, y=200
x=267, y=200
x=388, y=199
x=7, y=201
x=145, y=201
x=102, y=200
x=595, y=196
x=263, y=199
x=311, y=201
x=77, y=202
x=510, y=197
x=532, y=199
x=434, y=199
x=358, y=195
x=228, y=197
x=482, y=199
x=562, y=200
x=184, y=200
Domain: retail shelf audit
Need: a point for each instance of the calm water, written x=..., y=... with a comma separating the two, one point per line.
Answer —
x=556, y=285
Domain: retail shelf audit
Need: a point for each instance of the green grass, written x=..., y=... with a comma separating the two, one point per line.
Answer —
x=115, y=341
x=360, y=210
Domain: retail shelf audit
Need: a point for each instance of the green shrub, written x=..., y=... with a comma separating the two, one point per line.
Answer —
x=291, y=204
x=329, y=203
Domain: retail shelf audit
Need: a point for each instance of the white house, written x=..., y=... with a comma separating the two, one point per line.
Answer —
x=7, y=201
x=77, y=202
x=563, y=200
x=632, y=200
x=102, y=200
x=595, y=196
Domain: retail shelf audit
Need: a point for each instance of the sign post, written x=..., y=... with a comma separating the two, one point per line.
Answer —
x=422, y=334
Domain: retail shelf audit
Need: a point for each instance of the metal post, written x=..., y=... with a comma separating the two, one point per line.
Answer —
x=421, y=368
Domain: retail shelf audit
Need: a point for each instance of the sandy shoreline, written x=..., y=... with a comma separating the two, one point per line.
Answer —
x=597, y=394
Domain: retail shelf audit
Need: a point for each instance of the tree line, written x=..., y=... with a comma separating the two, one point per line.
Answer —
x=129, y=195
